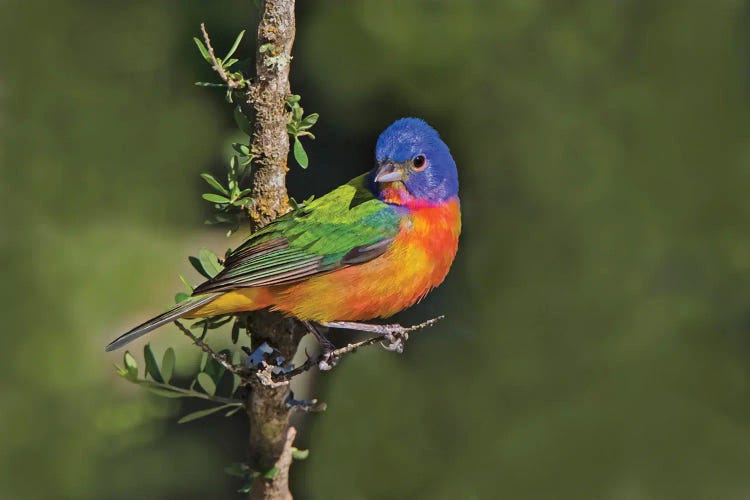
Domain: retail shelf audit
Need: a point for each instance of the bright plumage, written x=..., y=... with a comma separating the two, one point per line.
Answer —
x=367, y=249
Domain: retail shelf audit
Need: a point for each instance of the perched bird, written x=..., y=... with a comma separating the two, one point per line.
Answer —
x=367, y=249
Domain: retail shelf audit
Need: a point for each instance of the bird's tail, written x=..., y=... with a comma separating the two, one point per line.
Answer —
x=176, y=312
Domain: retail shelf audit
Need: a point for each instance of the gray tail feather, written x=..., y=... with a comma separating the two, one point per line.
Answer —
x=176, y=312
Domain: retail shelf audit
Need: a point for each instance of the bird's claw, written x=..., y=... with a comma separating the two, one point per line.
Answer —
x=328, y=361
x=395, y=338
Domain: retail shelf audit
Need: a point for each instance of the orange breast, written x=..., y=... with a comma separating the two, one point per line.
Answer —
x=417, y=261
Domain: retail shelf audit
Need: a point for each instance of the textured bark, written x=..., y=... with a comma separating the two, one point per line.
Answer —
x=270, y=433
x=270, y=143
x=269, y=444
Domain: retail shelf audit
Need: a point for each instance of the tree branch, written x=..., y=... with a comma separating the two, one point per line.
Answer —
x=267, y=96
x=266, y=406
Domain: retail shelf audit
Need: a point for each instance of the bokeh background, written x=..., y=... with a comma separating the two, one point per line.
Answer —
x=597, y=344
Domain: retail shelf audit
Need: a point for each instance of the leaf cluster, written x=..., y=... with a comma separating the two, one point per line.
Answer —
x=299, y=126
x=233, y=80
x=210, y=383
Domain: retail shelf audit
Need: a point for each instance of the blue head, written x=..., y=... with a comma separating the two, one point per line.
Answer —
x=411, y=156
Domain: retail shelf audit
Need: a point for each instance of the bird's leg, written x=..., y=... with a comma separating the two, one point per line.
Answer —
x=328, y=360
x=394, y=335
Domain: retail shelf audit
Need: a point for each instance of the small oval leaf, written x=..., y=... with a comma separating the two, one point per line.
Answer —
x=152, y=367
x=299, y=153
x=130, y=365
x=215, y=198
x=209, y=261
x=167, y=364
x=207, y=383
x=211, y=181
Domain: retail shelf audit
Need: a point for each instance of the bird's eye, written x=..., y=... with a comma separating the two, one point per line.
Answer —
x=419, y=162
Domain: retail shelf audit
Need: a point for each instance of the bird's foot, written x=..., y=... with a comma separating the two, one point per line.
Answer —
x=327, y=357
x=395, y=337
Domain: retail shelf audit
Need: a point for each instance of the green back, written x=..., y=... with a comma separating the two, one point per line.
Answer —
x=347, y=226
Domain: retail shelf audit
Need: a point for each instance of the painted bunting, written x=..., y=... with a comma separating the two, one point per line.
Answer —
x=367, y=249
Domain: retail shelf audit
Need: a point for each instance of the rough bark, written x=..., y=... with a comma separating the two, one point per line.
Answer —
x=270, y=143
x=267, y=409
x=270, y=433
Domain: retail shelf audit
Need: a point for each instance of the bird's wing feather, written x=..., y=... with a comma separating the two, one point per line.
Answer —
x=348, y=226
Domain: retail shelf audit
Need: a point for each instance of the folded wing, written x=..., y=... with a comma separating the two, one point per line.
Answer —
x=348, y=226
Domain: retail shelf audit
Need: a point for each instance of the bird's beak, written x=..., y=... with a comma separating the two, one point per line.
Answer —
x=389, y=172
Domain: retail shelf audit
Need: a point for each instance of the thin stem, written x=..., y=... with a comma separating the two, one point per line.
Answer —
x=218, y=357
x=188, y=392
x=215, y=62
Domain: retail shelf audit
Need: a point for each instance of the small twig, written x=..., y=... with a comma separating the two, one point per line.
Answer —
x=216, y=65
x=218, y=357
x=395, y=335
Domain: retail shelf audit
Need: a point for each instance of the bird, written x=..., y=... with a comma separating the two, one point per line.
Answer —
x=368, y=249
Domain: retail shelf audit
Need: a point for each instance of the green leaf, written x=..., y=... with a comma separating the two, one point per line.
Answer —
x=214, y=183
x=214, y=369
x=242, y=122
x=204, y=51
x=204, y=360
x=203, y=413
x=242, y=149
x=299, y=153
x=131, y=366
x=215, y=198
x=241, y=202
x=167, y=364
x=188, y=285
x=209, y=261
x=271, y=473
x=298, y=454
x=196, y=263
x=235, y=45
x=207, y=383
x=291, y=99
x=152, y=367
x=233, y=410
x=310, y=120
x=181, y=297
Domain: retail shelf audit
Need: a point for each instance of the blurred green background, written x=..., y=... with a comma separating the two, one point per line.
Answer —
x=597, y=343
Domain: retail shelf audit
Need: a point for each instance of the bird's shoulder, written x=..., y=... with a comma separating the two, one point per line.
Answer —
x=347, y=226
x=349, y=215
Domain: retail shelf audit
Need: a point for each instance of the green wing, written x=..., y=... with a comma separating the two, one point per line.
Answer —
x=347, y=226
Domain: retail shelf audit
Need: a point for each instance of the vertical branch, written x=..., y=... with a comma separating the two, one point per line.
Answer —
x=270, y=143
x=270, y=433
x=267, y=409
